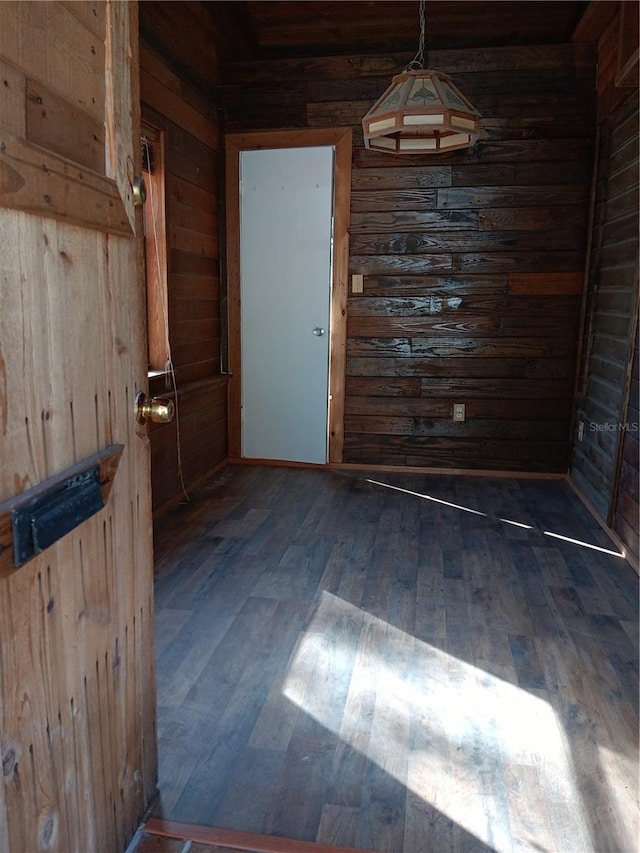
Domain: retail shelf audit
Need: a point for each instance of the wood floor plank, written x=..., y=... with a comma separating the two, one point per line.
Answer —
x=338, y=825
x=511, y=603
x=588, y=818
x=354, y=575
x=254, y=779
x=525, y=657
x=303, y=781
x=532, y=577
x=608, y=635
x=430, y=612
x=350, y=759
x=180, y=737
x=181, y=662
x=279, y=713
x=247, y=677
x=298, y=572
x=456, y=609
x=530, y=828
x=492, y=654
x=168, y=623
x=332, y=632
x=241, y=641
x=394, y=666
x=382, y=809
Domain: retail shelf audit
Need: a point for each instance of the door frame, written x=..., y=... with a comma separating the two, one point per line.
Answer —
x=235, y=144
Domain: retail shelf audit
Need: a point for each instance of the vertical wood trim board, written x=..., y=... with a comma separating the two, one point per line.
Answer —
x=190, y=124
x=340, y=292
x=233, y=149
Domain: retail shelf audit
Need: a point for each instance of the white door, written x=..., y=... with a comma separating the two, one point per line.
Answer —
x=286, y=200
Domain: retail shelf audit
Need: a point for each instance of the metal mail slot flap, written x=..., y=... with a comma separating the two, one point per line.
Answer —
x=47, y=518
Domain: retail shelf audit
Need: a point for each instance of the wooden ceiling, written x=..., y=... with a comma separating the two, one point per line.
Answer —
x=200, y=36
x=339, y=27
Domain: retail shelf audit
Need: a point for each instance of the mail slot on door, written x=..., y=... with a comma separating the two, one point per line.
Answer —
x=47, y=518
x=32, y=521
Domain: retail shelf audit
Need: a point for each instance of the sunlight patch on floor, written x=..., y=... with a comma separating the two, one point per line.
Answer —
x=439, y=726
x=620, y=773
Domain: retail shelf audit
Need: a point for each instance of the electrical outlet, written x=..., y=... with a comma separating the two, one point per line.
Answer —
x=580, y=430
x=459, y=412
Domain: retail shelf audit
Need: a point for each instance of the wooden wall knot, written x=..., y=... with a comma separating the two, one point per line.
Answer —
x=9, y=763
x=47, y=830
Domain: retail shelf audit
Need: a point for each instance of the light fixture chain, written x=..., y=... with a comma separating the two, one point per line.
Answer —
x=421, y=111
x=418, y=61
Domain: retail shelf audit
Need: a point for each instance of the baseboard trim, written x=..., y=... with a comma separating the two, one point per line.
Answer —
x=274, y=463
x=616, y=540
x=458, y=472
x=236, y=840
x=402, y=469
x=159, y=511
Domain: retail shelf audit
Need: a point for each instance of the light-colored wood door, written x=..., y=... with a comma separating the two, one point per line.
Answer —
x=77, y=696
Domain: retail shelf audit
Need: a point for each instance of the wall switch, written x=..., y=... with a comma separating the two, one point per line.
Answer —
x=459, y=412
x=357, y=283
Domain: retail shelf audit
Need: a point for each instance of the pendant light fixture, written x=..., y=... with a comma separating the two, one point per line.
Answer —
x=421, y=111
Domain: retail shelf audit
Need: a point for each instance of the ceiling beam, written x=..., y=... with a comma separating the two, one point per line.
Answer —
x=596, y=18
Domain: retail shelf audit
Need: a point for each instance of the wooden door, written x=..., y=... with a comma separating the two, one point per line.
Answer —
x=286, y=201
x=77, y=702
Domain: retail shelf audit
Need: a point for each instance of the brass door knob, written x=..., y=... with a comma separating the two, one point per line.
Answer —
x=139, y=189
x=157, y=410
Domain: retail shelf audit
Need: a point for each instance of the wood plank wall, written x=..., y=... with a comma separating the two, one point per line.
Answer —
x=627, y=513
x=604, y=465
x=473, y=261
x=609, y=330
x=178, y=77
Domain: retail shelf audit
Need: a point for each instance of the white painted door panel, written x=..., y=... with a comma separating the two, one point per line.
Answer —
x=285, y=268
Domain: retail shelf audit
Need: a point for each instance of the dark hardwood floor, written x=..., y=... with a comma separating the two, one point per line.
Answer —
x=388, y=662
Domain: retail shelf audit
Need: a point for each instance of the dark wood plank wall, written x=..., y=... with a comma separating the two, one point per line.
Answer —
x=609, y=331
x=178, y=79
x=627, y=513
x=604, y=464
x=472, y=261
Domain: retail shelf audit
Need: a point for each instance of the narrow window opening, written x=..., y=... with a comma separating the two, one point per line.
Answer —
x=155, y=248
